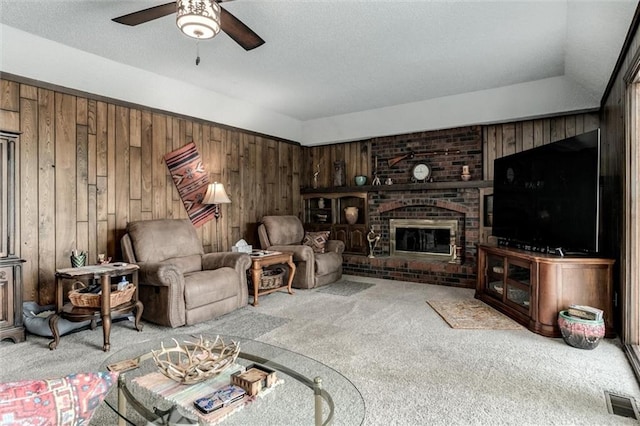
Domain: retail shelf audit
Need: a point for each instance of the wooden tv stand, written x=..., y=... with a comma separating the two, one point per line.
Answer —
x=533, y=287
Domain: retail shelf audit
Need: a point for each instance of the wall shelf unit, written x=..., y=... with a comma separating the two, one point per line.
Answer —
x=325, y=211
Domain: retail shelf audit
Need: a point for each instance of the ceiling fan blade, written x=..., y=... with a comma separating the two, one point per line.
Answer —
x=238, y=31
x=146, y=15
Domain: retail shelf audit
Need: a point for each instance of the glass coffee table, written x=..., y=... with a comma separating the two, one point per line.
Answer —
x=308, y=392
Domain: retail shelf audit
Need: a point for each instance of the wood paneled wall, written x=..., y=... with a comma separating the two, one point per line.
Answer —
x=356, y=155
x=619, y=150
x=504, y=139
x=88, y=166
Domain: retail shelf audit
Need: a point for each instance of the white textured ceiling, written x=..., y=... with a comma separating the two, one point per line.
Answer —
x=331, y=58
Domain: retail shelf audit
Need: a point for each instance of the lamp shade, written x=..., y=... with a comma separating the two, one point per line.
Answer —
x=216, y=194
x=199, y=19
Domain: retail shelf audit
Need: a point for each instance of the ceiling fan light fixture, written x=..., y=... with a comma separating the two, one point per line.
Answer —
x=199, y=19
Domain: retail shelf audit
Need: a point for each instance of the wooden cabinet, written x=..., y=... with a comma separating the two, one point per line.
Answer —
x=354, y=237
x=10, y=264
x=11, y=301
x=532, y=287
x=326, y=211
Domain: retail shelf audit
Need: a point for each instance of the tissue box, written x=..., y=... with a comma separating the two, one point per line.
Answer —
x=242, y=249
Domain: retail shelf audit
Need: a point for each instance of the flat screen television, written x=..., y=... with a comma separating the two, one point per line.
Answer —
x=547, y=198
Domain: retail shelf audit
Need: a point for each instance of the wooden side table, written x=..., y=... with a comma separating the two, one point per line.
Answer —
x=103, y=273
x=259, y=262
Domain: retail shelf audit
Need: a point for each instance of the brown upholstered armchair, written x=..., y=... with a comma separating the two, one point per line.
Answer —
x=180, y=284
x=285, y=233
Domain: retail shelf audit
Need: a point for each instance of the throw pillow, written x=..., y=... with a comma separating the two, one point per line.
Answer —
x=316, y=240
x=69, y=400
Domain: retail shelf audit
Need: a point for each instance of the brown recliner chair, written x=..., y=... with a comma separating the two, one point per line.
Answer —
x=285, y=233
x=180, y=284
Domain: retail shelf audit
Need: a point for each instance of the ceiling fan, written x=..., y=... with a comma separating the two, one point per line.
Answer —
x=231, y=25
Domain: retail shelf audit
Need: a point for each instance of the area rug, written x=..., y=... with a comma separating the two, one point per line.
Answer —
x=248, y=323
x=472, y=314
x=345, y=288
x=191, y=180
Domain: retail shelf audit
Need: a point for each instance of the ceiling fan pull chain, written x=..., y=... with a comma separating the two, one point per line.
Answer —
x=197, y=52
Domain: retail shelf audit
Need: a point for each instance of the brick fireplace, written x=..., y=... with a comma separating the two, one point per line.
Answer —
x=447, y=199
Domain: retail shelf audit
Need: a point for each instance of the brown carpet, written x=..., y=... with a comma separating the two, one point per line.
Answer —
x=472, y=314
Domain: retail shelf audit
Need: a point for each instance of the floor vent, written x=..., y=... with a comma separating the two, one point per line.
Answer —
x=621, y=405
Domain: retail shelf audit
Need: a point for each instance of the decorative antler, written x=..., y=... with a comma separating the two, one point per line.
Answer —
x=196, y=361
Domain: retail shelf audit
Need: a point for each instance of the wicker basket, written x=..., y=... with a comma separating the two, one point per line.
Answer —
x=271, y=278
x=91, y=300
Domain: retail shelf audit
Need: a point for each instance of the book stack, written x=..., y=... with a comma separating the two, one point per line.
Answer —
x=585, y=312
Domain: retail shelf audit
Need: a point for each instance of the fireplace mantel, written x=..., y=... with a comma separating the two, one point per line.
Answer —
x=402, y=187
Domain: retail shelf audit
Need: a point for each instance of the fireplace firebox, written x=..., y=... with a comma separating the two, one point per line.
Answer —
x=423, y=238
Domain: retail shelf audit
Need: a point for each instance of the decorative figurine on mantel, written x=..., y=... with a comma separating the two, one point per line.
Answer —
x=315, y=176
x=339, y=176
x=373, y=239
x=376, y=178
x=466, y=175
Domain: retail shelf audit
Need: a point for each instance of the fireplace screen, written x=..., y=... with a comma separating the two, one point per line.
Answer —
x=423, y=238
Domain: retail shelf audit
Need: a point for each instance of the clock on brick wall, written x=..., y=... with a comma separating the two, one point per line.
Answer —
x=421, y=172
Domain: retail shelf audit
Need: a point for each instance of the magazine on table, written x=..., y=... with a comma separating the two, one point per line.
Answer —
x=262, y=253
